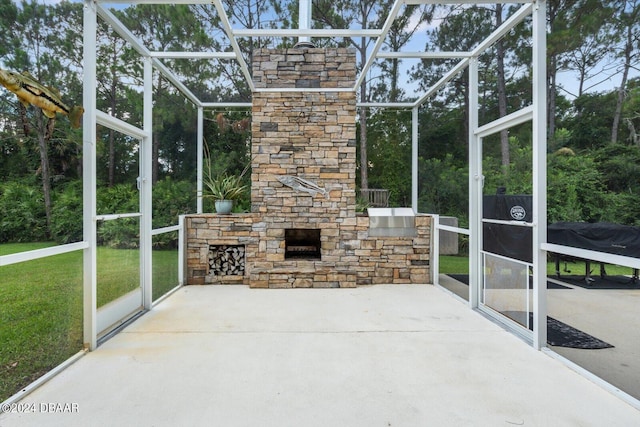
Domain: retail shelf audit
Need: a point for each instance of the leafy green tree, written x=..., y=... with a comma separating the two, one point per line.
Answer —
x=443, y=188
x=619, y=165
x=172, y=198
x=365, y=14
x=8, y=18
x=65, y=226
x=390, y=160
x=575, y=191
x=389, y=137
x=169, y=28
x=33, y=38
x=501, y=89
x=583, y=40
x=118, y=64
x=22, y=215
x=462, y=30
x=442, y=132
x=518, y=178
x=404, y=27
x=627, y=21
x=591, y=124
x=631, y=112
x=178, y=147
x=230, y=83
x=368, y=14
x=571, y=23
x=227, y=137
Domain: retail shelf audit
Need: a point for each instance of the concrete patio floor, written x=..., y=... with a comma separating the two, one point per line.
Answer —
x=396, y=355
x=608, y=314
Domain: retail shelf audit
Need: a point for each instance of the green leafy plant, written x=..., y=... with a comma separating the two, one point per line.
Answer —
x=66, y=222
x=22, y=213
x=362, y=204
x=223, y=186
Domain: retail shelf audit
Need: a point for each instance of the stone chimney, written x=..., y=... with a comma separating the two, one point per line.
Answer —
x=306, y=139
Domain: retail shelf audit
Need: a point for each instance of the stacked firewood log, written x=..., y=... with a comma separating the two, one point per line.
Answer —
x=226, y=260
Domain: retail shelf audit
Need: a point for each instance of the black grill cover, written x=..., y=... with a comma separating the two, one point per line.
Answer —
x=516, y=207
x=600, y=236
x=511, y=241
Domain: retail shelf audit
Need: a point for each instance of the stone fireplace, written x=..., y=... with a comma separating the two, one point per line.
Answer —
x=303, y=230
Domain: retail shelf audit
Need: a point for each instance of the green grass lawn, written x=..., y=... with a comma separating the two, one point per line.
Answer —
x=450, y=264
x=41, y=305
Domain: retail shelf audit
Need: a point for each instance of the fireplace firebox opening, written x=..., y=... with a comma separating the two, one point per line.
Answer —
x=302, y=243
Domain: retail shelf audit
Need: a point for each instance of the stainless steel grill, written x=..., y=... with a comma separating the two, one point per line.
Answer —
x=392, y=222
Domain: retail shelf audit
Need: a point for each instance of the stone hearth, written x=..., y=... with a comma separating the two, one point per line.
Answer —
x=303, y=230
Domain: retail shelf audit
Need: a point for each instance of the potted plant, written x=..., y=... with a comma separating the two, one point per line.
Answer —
x=223, y=188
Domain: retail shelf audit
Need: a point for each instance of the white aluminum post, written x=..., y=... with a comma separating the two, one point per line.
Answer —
x=539, y=174
x=181, y=245
x=414, y=158
x=304, y=18
x=146, y=188
x=199, y=148
x=89, y=228
x=475, y=189
x=435, y=249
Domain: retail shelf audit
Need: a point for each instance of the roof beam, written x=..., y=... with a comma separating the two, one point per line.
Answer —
x=226, y=25
x=193, y=55
x=426, y=55
x=175, y=81
x=445, y=79
x=506, y=26
x=385, y=29
x=121, y=126
x=129, y=37
x=304, y=89
x=294, y=32
x=505, y=122
x=418, y=2
x=227, y=105
x=374, y=54
x=129, y=2
x=503, y=29
x=123, y=31
x=385, y=104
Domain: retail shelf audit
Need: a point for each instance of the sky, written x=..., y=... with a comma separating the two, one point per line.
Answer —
x=605, y=79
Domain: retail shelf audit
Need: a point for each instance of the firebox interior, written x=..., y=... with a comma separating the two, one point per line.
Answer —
x=302, y=243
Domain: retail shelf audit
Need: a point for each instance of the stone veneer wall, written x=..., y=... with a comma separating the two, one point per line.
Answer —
x=307, y=133
x=373, y=260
